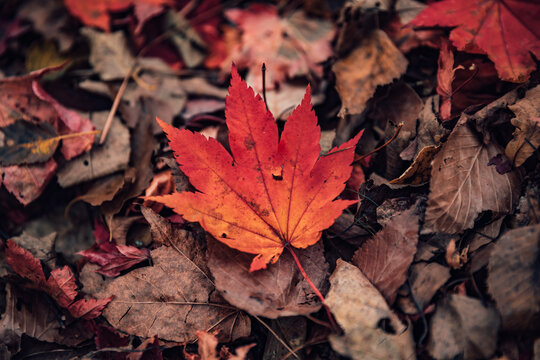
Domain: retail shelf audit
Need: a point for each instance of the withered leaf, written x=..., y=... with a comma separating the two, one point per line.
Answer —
x=27, y=143
x=513, y=278
x=173, y=299
x=463, y=185
x=463, y=328
x=426, y=279
x=359, y=309
x=280, y=290
x=376, y=61
x=527, y=122
x=385, y=258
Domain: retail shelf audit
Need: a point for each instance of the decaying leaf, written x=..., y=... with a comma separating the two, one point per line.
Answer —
x=463, y=185
x=420, y=170
x=27, y=143
x=463, y=327
x=513, y=278
x=385, y=258
x=426, y=279
x=375, y=61
x=527, y=122
x=280, y=290
x=361, y=310
x=506, y=31
x=31, y=315
x=272, y=192
x=60, y=284
x=173, y=299
x=208, y=349
x=26, y=182
x=445, y=78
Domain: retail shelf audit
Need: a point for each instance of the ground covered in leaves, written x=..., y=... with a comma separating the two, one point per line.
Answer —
x=402, y=186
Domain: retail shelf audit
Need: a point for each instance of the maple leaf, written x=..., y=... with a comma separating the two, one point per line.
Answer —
x=114, y=258
x=60, y=285
x=271, y=193
x=506, y=30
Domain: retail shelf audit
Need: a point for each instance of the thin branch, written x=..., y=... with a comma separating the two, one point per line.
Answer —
x=358, y=158
x=281, y=341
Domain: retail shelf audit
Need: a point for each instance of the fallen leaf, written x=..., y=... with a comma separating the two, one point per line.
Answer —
x=112, y=156
x=96, y=13
x=172, y=299
x=527, y=122
x=293, y=330
x=28, y=181
x=375, y=61
x=463, y=184
x=271, y=195
x=445, y=78
x=27, y=143
x=114, y=258
x=279, y=291
x=30, y=315
x=513, y=278
x=185, y=38
x=290, y=46
x=385, y=258
x=426, y=279
x=420, y=170
x=103, y=189
x=109, y=54
x=60, y=284
x=455, y=258
x=463, y=327
x=360, y=310
x=162, y=184
x=208, y=343
x=507, y=31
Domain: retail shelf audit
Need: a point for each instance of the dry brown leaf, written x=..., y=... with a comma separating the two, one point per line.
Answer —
x=359, y=309
x=376, y=61
x=513, y=278
x=385, y=258
x=420, y=170
x=463, y=185
x=171, y=299
x=280, y=290
x=100, y=160
x=426, y=279
x=527, y=122
x=454, y=258
x=31, y=315
x=463, y=328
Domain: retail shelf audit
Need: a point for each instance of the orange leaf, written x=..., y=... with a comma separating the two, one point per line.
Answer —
x=272, y=192
x=508, y=31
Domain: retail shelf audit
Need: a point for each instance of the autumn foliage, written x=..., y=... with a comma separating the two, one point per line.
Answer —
x=272, y=192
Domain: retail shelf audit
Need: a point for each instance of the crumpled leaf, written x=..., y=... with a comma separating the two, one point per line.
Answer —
x=527, y=122
x=279, y=291
x=208, y=343
x=463, y=327
x=445, y=77
x=60, y=285
x=173, y=299
x=385, y=258
x=33, y=316
x=513, y=278
x=270, y=193
x=506, y=30
x=375, y=61
x=96, y=12
x=114, y=258
x=290, y=46
x=359, y=309
x=463, y=184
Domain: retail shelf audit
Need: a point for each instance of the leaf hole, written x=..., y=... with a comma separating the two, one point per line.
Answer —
x=224, y=235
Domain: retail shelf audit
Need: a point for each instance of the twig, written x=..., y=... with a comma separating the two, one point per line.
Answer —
x=358, y=158
x=314, y=288
x=263, y=69
x=281, y=341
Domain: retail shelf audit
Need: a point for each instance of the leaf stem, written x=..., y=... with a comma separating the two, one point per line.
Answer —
x=358, y=158
x=313, y=287
x=263, y=70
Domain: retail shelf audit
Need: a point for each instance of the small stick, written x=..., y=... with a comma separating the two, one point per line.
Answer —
x=116, y=103
x=281, y=341
x=358, y=158
x=314, y=288
x=263, y=69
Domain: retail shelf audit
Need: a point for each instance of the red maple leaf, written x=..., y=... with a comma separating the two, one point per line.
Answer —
x=508, y=31
x=114, y=258
x=272, y=193
x=60, y=285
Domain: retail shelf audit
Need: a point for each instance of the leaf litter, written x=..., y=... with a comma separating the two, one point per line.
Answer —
x=425, y=248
